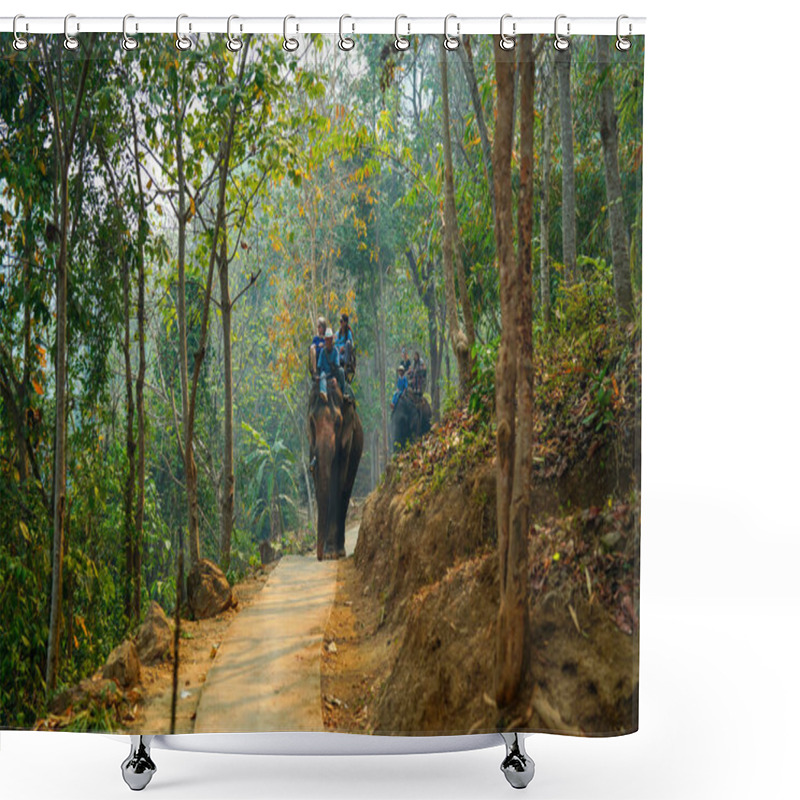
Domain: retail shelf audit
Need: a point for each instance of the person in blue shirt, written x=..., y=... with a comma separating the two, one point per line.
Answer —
x=317, y=344
x=402, y=385
x=344, y=343
x=328, y=366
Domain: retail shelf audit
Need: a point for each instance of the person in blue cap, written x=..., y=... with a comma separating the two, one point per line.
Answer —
x=317, y=344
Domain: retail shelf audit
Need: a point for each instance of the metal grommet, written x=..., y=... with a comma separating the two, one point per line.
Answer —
x=399, y=42
x=507, y=42
x=345, y=42
x=20, y=42
x=181, y=42
x=623, y=43
x=234, y=43
x=128, y=42
x=290, y=45
x=70, y=42
x=560, y=42
x=451, y=42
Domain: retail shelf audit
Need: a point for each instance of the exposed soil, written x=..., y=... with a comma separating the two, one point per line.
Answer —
x=354, y=668
x=415, y=655
x=416, y=607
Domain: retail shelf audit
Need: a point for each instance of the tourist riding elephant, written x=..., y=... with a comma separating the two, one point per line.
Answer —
x=337, y=440
x=411, y=418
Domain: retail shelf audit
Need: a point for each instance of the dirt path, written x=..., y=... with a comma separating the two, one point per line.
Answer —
x=200, y=640
x=266, y=675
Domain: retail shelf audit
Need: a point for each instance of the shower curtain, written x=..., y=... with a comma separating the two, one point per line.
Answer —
x=320, y=383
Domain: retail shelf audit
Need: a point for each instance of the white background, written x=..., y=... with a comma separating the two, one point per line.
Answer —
x=720, y=607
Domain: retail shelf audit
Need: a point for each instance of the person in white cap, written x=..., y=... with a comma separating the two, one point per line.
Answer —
x=328, y=366
x=402, y=385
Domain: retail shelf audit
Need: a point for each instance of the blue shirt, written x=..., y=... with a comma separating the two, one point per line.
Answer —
x=402, y=384
x=319, y=343
x=341, y=341
x=327, y=362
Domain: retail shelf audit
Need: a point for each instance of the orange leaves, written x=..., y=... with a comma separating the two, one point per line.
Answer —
x=637, y=159
x=37, y=387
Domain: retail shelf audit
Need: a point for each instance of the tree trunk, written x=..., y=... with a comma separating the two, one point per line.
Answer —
x=616, y=209
x=513, y=623
x=544, y=224
x=513, y=377
x=130, y=448
x=563, y=60
x=381, y=347
x=140, y=423
x=458, y=337
x=63, y=142
x=60, y=448
x=228, y=478
x=187, y=451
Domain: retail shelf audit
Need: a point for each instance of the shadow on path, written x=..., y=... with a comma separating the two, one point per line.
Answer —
x=266, y=675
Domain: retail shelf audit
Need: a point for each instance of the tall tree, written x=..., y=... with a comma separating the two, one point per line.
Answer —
x=616, y=208
x=228, y=484
x=141, y=238
x=514, y=374
x=563, y=59
x=544, y=202
x=65, y=113
x=461, y=339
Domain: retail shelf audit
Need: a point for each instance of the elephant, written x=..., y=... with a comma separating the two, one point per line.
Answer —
x=411, y=418
x=337, y=441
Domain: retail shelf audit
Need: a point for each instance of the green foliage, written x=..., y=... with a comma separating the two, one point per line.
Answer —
x=602, y=392
x=272, y=487
x=484, y=367
x=244, y=554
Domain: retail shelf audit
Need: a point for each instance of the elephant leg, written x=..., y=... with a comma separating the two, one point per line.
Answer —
x=351, y=470
x=329, y=549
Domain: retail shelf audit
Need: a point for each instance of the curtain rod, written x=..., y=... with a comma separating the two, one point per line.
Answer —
x=408, y=26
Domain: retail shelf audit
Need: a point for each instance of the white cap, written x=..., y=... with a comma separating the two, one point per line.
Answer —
x=328, y=333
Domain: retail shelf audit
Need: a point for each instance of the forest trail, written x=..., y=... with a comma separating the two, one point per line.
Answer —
x=266, y=676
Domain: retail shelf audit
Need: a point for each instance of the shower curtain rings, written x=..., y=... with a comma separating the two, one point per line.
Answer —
x=401, y=43
x=560, y=42
x=290, y=45
x=507, y=42
x=181, y=42
x=451, y=42
x=20, y=42
x=70, y=42
x=623, y=43
x=234, y=43
x=345, y=42
x=128, y=42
